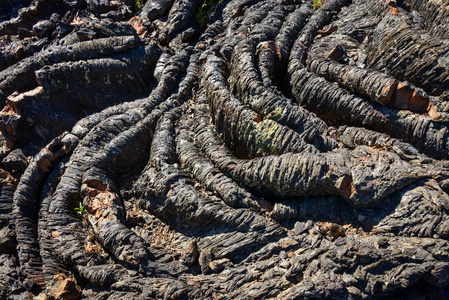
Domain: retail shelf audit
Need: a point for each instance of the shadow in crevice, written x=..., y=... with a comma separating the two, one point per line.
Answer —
x=336, y=209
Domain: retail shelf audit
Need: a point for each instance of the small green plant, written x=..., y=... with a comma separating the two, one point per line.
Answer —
x=206, y=10
x=201, y=15
x=80, y=210
x=317, y=4
x=137, y=4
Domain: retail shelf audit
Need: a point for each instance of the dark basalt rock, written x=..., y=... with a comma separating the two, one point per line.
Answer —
x=277, y=151
x=15, y=161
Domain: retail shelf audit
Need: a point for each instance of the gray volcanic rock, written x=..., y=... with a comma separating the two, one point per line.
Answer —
x=239, y=149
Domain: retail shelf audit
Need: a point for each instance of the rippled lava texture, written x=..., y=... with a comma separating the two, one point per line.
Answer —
x=239, y=149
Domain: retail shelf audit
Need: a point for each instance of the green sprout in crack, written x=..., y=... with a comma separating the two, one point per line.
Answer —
x=137, y=4
x=201, y=15
x=206, y=10
x=318, y=3
x=80, y=210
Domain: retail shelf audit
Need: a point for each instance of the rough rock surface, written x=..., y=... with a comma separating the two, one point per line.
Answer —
x=234, y=149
